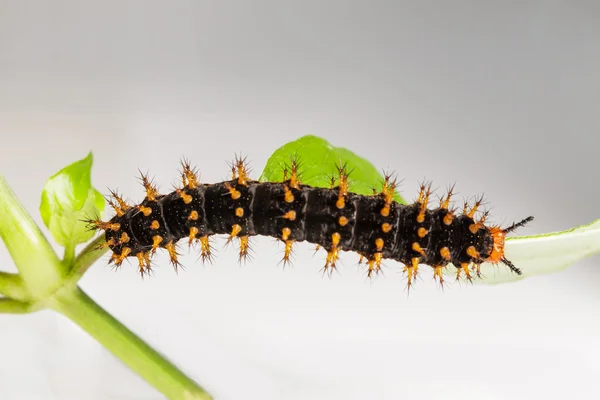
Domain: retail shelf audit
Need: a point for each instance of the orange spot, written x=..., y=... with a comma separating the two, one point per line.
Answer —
x=343, y=221
x=335, y=239
x=472, y=252
x=187, y=199
x=385, y=211
x=474, y=228
x=285, y=233
x=422, y=232
x=445, y=253
x=124, y=238
x=156, y=241
x=235, y=194
x=154, y=225
x=193, y=215
x=417, y=247
x=288, y=195
x=291, y=215
x=448, y=219
x=340, y=203
x=193, y=232
x=479, y=224
x=145, y=210
x=239, y=212
x=379, y=244
x=235, y=230
x=385, y=227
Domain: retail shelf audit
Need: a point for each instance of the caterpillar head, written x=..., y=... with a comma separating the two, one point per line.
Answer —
x=499, y=236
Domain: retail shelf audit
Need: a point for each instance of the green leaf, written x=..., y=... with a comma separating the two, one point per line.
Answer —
x=547, y=253
x=68, y=198
x=319, y=161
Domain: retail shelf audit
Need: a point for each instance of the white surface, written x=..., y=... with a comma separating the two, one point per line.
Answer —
x=501, y=98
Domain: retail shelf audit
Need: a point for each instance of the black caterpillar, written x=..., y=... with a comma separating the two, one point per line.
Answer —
x=376, y=227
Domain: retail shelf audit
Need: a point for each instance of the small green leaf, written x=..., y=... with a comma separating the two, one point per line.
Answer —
x=68, y=198
x=319, y=161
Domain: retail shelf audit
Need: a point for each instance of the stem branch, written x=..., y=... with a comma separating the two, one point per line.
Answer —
x=86, y=258
x=11, y=285
x=12, y=306
x=68, y=255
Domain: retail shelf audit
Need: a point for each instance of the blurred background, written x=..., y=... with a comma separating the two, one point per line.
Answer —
x=500, y=97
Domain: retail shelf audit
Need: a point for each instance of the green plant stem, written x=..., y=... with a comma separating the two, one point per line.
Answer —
x=11, y=286
x=69, y=255
x=134, y=352
x=12, y=306
x=38, y=265
x=88, y=256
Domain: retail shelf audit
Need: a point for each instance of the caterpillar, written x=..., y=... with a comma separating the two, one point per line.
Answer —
x=374, y=226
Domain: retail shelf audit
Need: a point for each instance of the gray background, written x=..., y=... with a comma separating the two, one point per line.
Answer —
x=500, y=97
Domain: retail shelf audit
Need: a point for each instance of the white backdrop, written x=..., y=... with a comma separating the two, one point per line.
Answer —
x=499, y=97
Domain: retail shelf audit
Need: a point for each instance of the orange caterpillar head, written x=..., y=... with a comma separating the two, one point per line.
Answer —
x=499, y=235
